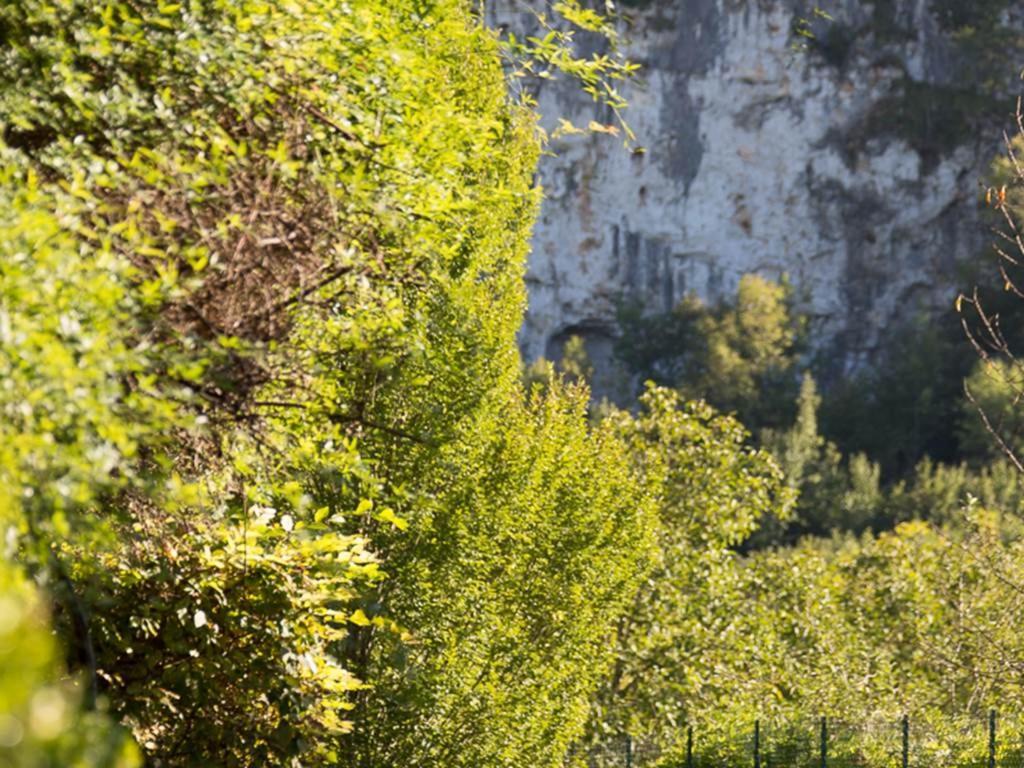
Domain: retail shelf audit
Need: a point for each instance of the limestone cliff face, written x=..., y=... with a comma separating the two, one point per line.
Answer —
x=853, y=168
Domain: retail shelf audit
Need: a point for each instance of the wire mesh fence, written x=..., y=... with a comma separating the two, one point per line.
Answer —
x=619, y=752
x=824, y=743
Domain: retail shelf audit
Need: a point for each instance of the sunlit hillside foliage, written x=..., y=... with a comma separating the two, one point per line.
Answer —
x=262, y=420
x=276, y=493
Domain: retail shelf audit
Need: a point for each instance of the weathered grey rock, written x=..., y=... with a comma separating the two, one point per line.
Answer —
x=760, y=159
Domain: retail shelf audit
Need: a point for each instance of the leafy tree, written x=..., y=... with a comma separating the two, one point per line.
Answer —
x=914, y=607
x=575, y=363
x=993, y=390
x=833, y=493
x=663, y=347
x=683, y=623
x=740, y=356
x=531, y=537
x=101, y=440
x=574, y=367
x=990, y=317
x=751, y=359
x=922, y=619
x=907, y=406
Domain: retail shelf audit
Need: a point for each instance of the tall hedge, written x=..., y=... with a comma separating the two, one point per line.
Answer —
x=261, y=277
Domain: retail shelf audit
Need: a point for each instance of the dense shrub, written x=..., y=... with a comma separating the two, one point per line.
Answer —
x=261, y=408
x=531, y=539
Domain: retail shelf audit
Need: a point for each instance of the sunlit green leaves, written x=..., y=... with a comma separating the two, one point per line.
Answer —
x=530, y=536
x=267, y=282
x=682, y=647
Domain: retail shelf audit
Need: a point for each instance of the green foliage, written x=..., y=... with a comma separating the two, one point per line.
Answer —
x=863, y=496
x=670, y=646
x=921, y=620
x=538, y=375
x=801, y=449
x=840, y=493
x=939, y=492
x=990, y=425
x=189, y=241
x=933, y=119
x=554, y=50
x=889, y=612
x=220, y=640
x=994, y=386
x=832, y=494
x=908, y=406
x=532, y=536
x=66, y=318
x=750, y=367
x=740, y=356
x=272, y=462
x=575, y=362
x=42, y=722
x=664, y=347
x=262, y=277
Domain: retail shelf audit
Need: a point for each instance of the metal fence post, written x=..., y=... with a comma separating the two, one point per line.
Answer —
x=906, y=741
x=689, y=746
x=757, y=744
x=629, y=751
x=824, y=742
x=992, y=738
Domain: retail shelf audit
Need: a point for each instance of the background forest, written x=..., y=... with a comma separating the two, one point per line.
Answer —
x=277, y=490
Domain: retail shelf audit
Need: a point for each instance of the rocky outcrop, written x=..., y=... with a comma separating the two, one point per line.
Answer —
x=852, y=167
